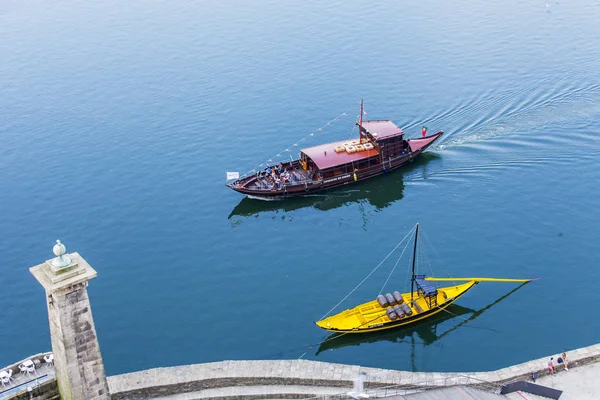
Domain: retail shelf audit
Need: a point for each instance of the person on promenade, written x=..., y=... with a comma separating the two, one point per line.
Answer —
x=563, y=360
x=551, y=366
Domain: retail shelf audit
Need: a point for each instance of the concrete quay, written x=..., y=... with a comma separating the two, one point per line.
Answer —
x=581, y=383
x=313, y=378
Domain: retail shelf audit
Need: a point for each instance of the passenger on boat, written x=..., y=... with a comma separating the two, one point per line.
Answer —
x=268, y=170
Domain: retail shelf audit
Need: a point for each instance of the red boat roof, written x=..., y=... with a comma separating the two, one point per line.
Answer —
x=382, y=129
x=324, y=156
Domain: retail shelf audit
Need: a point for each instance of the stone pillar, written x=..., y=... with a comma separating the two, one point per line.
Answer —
x=77, y=360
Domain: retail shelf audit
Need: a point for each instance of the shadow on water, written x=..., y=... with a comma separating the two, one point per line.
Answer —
x=426, y=331
x=380, y=192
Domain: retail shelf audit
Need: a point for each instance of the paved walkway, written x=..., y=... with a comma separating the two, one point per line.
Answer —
x=578, y=383
x=220, y=376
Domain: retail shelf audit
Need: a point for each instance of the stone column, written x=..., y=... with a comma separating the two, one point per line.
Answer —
x=77, y=360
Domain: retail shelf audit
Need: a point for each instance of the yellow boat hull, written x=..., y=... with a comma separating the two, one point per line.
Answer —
x=372, y=317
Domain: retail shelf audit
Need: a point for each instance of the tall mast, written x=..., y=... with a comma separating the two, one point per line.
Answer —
x=360, y=121
x=412, y=279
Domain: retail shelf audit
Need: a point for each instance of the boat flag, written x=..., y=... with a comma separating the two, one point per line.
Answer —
x=233, y=175
x=424, y=131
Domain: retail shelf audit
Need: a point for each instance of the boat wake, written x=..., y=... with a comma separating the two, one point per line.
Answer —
x=463, y=173
x=517, y=112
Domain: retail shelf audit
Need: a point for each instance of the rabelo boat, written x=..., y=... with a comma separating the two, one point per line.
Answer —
x=380, y=148
x=394, y=310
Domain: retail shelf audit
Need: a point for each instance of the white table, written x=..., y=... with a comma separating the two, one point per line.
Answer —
x=29, y=367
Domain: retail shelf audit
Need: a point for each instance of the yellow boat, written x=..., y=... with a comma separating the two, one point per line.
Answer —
x=394, y=310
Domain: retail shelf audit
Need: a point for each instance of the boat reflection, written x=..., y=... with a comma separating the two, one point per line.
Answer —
x=427, y=331
x=380, y=192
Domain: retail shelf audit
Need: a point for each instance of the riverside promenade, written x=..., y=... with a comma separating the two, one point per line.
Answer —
x=306, y=379
x=74, y=370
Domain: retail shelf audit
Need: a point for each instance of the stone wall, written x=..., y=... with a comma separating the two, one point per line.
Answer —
x=193, y=378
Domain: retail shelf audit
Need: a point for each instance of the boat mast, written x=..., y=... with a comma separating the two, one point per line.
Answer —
x=412, y=279
x=360, y=134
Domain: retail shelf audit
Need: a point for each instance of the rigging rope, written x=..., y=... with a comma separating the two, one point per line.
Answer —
x=270, y=160
x=393, y=269
x=368, y=276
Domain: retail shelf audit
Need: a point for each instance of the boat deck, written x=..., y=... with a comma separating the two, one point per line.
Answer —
x=23, y=382
x=297, y=176
x=372, y=316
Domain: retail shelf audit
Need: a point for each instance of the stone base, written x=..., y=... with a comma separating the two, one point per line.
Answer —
x=77, y=272
x=62, y=274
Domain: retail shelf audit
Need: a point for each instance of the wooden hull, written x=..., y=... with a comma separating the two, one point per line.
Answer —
x=427, y=332
x=371, y=317
x=301, y=187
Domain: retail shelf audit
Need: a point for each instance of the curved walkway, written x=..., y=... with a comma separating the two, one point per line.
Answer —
x=219, y=377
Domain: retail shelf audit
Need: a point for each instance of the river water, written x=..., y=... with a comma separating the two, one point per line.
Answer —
x=118, y=121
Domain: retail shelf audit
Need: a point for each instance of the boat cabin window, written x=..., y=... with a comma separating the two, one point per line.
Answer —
x=362, y=164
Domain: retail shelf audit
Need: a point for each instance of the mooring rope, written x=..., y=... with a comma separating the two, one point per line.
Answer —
x=467, y=320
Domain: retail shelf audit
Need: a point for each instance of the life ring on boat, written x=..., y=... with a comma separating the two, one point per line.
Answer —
x=360, y=147
x=354, y=142
x=339, y=149
x=369, y=146
x=363, y=140
x=351, y=149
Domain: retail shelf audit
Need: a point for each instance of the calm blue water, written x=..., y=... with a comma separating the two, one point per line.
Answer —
x=118, y=122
